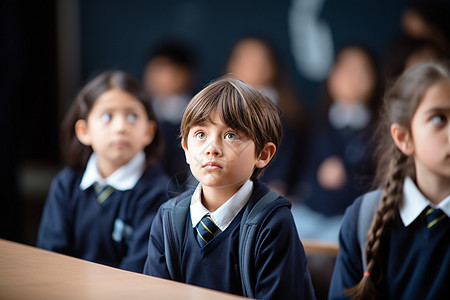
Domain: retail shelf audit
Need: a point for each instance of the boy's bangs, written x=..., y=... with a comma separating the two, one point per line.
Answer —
x=231, y=110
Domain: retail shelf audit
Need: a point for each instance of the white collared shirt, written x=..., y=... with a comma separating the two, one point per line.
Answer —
x=124, y=178
x=355, y=115
x=224, y=215
x=414, y=202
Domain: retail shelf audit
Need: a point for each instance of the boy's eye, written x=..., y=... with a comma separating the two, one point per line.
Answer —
x=439, y=119
x=132, y=117
x=106, y=117
x=231, y=136
x=200, y=135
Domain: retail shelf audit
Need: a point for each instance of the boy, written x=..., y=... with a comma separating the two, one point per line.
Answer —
x=230, y=132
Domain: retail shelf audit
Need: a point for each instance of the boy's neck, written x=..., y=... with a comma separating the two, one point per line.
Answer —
x=215, y=197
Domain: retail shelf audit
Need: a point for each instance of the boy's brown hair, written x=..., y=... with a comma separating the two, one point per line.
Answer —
x=241, y=107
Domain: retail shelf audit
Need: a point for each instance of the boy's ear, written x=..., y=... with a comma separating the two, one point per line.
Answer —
x=266, y=155
x=82, y=133
x=150, y=134
x=402, y=139
x=186, y=151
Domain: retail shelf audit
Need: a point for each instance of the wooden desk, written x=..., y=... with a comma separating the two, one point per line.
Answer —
x=31, y=273
x=317, y=247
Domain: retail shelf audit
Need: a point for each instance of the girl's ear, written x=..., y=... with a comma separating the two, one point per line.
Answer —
x=150, y=134
x=82, y=133
x=266, y=155
x=186, y=150
x=402, y=139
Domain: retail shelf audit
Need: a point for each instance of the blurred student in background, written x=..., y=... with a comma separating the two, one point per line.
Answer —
x=169, y=77
x=405, y=52
x=403, y=253
x=428, y=19
x=425, y=36
x=254, y=60
x=101, y=206
x=338, y=164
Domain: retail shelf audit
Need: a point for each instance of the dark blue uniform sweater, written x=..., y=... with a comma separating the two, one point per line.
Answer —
x=352, y=147
x=114, y=233
x=415, y=261
x=279, y=259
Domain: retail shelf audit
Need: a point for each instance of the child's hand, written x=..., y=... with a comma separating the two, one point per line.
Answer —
x=331, y=173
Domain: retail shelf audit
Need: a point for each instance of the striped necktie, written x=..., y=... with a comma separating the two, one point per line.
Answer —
x=206, y=230
x=103, y=192
x=433, y=216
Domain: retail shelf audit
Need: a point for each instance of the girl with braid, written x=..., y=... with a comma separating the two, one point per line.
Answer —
x=407, y=248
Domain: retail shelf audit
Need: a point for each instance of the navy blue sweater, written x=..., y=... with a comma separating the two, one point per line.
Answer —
x=352, y=147
x=415, y=261
x=279, y=258
x=113, y=233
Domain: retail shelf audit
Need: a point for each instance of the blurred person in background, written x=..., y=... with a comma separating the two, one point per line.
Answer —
x=338, y=164
x=169, y=76
x=254, y=60
x=428, y=19
x=405, y=52
x=101, y=206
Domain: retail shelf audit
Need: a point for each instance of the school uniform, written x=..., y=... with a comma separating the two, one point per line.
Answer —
x=344, y=140
x=415, y=260
x=279, y=259
x=319, y=211
x=103, y=220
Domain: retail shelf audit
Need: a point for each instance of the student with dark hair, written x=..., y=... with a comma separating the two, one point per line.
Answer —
x=101, y=206
x=428, y=19
x=254, y=60
x=338, y=167
x=232, y=233
x=395, y=241
x=405, y=52
x=169, y=77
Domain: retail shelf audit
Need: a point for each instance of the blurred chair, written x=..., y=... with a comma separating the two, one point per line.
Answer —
x=321, y=258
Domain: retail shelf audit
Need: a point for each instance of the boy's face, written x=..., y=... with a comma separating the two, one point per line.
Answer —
x=220, y=157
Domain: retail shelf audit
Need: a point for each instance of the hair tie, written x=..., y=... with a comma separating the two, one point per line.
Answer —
x=366, y=274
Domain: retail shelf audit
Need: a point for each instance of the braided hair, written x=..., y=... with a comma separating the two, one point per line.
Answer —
x=400, y=104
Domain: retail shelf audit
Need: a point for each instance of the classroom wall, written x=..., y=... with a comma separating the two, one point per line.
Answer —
x=307, y=32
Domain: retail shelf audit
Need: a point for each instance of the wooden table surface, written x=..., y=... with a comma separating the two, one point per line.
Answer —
x=30, y=273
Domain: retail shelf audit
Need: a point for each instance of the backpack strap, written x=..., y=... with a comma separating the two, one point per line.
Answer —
x=174, y=219
x=247, y=238
x=369, y=205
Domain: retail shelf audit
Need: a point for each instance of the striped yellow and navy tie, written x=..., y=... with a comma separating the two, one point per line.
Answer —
x=103, y=192
x=433, y=216
x=206, y=230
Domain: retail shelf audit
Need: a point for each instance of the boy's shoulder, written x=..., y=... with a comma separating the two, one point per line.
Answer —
x=263, y=197
x=183, y=200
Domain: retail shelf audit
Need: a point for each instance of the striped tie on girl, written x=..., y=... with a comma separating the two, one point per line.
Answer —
x=433, y=216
